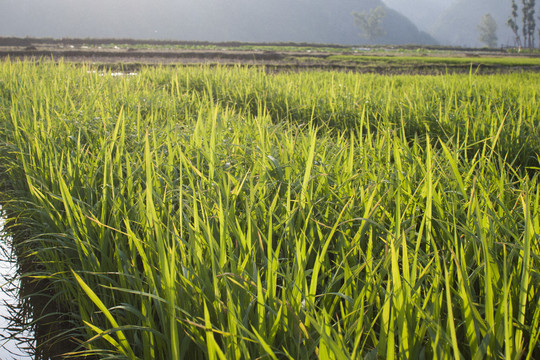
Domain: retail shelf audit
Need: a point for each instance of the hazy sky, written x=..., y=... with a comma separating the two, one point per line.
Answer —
x=320, y=21
x=323, y=21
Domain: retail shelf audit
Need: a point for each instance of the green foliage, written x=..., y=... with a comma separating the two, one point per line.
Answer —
x=370, y=22
x=488, y=31
x=227, y=213
x=512, y=23
x=529, y=22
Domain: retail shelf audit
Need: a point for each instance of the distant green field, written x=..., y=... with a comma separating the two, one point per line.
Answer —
x=450, y=60
x=226, y=213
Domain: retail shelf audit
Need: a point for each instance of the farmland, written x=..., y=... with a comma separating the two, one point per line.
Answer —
x=228, y=212
x=130, y=55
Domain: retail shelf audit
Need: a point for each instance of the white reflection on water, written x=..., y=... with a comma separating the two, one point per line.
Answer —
x=8, y=347
x=113, y=74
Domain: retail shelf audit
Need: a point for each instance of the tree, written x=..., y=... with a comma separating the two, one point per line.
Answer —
x=512, y=23
x=370, y=22
x=488, y=30
x=529, y=23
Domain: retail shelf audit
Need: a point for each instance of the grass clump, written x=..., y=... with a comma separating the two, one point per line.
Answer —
x=226, y=213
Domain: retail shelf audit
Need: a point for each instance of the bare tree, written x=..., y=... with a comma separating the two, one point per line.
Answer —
x=370, y=22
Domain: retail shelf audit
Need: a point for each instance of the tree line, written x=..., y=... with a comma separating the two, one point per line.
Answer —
x=488, y=27
x=528, y=23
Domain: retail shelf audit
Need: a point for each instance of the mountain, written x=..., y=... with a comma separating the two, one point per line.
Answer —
x=424, y=13
x=458, y=24
x=317, y=21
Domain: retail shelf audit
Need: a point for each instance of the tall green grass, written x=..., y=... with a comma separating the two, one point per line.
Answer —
x=227, y=213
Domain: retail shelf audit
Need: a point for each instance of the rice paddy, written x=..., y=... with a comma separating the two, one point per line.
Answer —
x=225, y=213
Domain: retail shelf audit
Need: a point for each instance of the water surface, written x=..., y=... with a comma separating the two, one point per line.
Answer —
x=8, y=347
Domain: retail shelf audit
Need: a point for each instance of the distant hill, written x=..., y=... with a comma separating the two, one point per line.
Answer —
x=458, y=24
x=424, y=13
x=317, y=21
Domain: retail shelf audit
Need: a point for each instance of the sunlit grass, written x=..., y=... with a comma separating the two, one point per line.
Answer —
x=226, y=213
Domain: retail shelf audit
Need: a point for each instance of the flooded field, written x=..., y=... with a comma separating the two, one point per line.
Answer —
x=9, y=348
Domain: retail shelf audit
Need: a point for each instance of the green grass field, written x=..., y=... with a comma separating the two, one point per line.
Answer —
x=400, y=60
x=225, y=213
